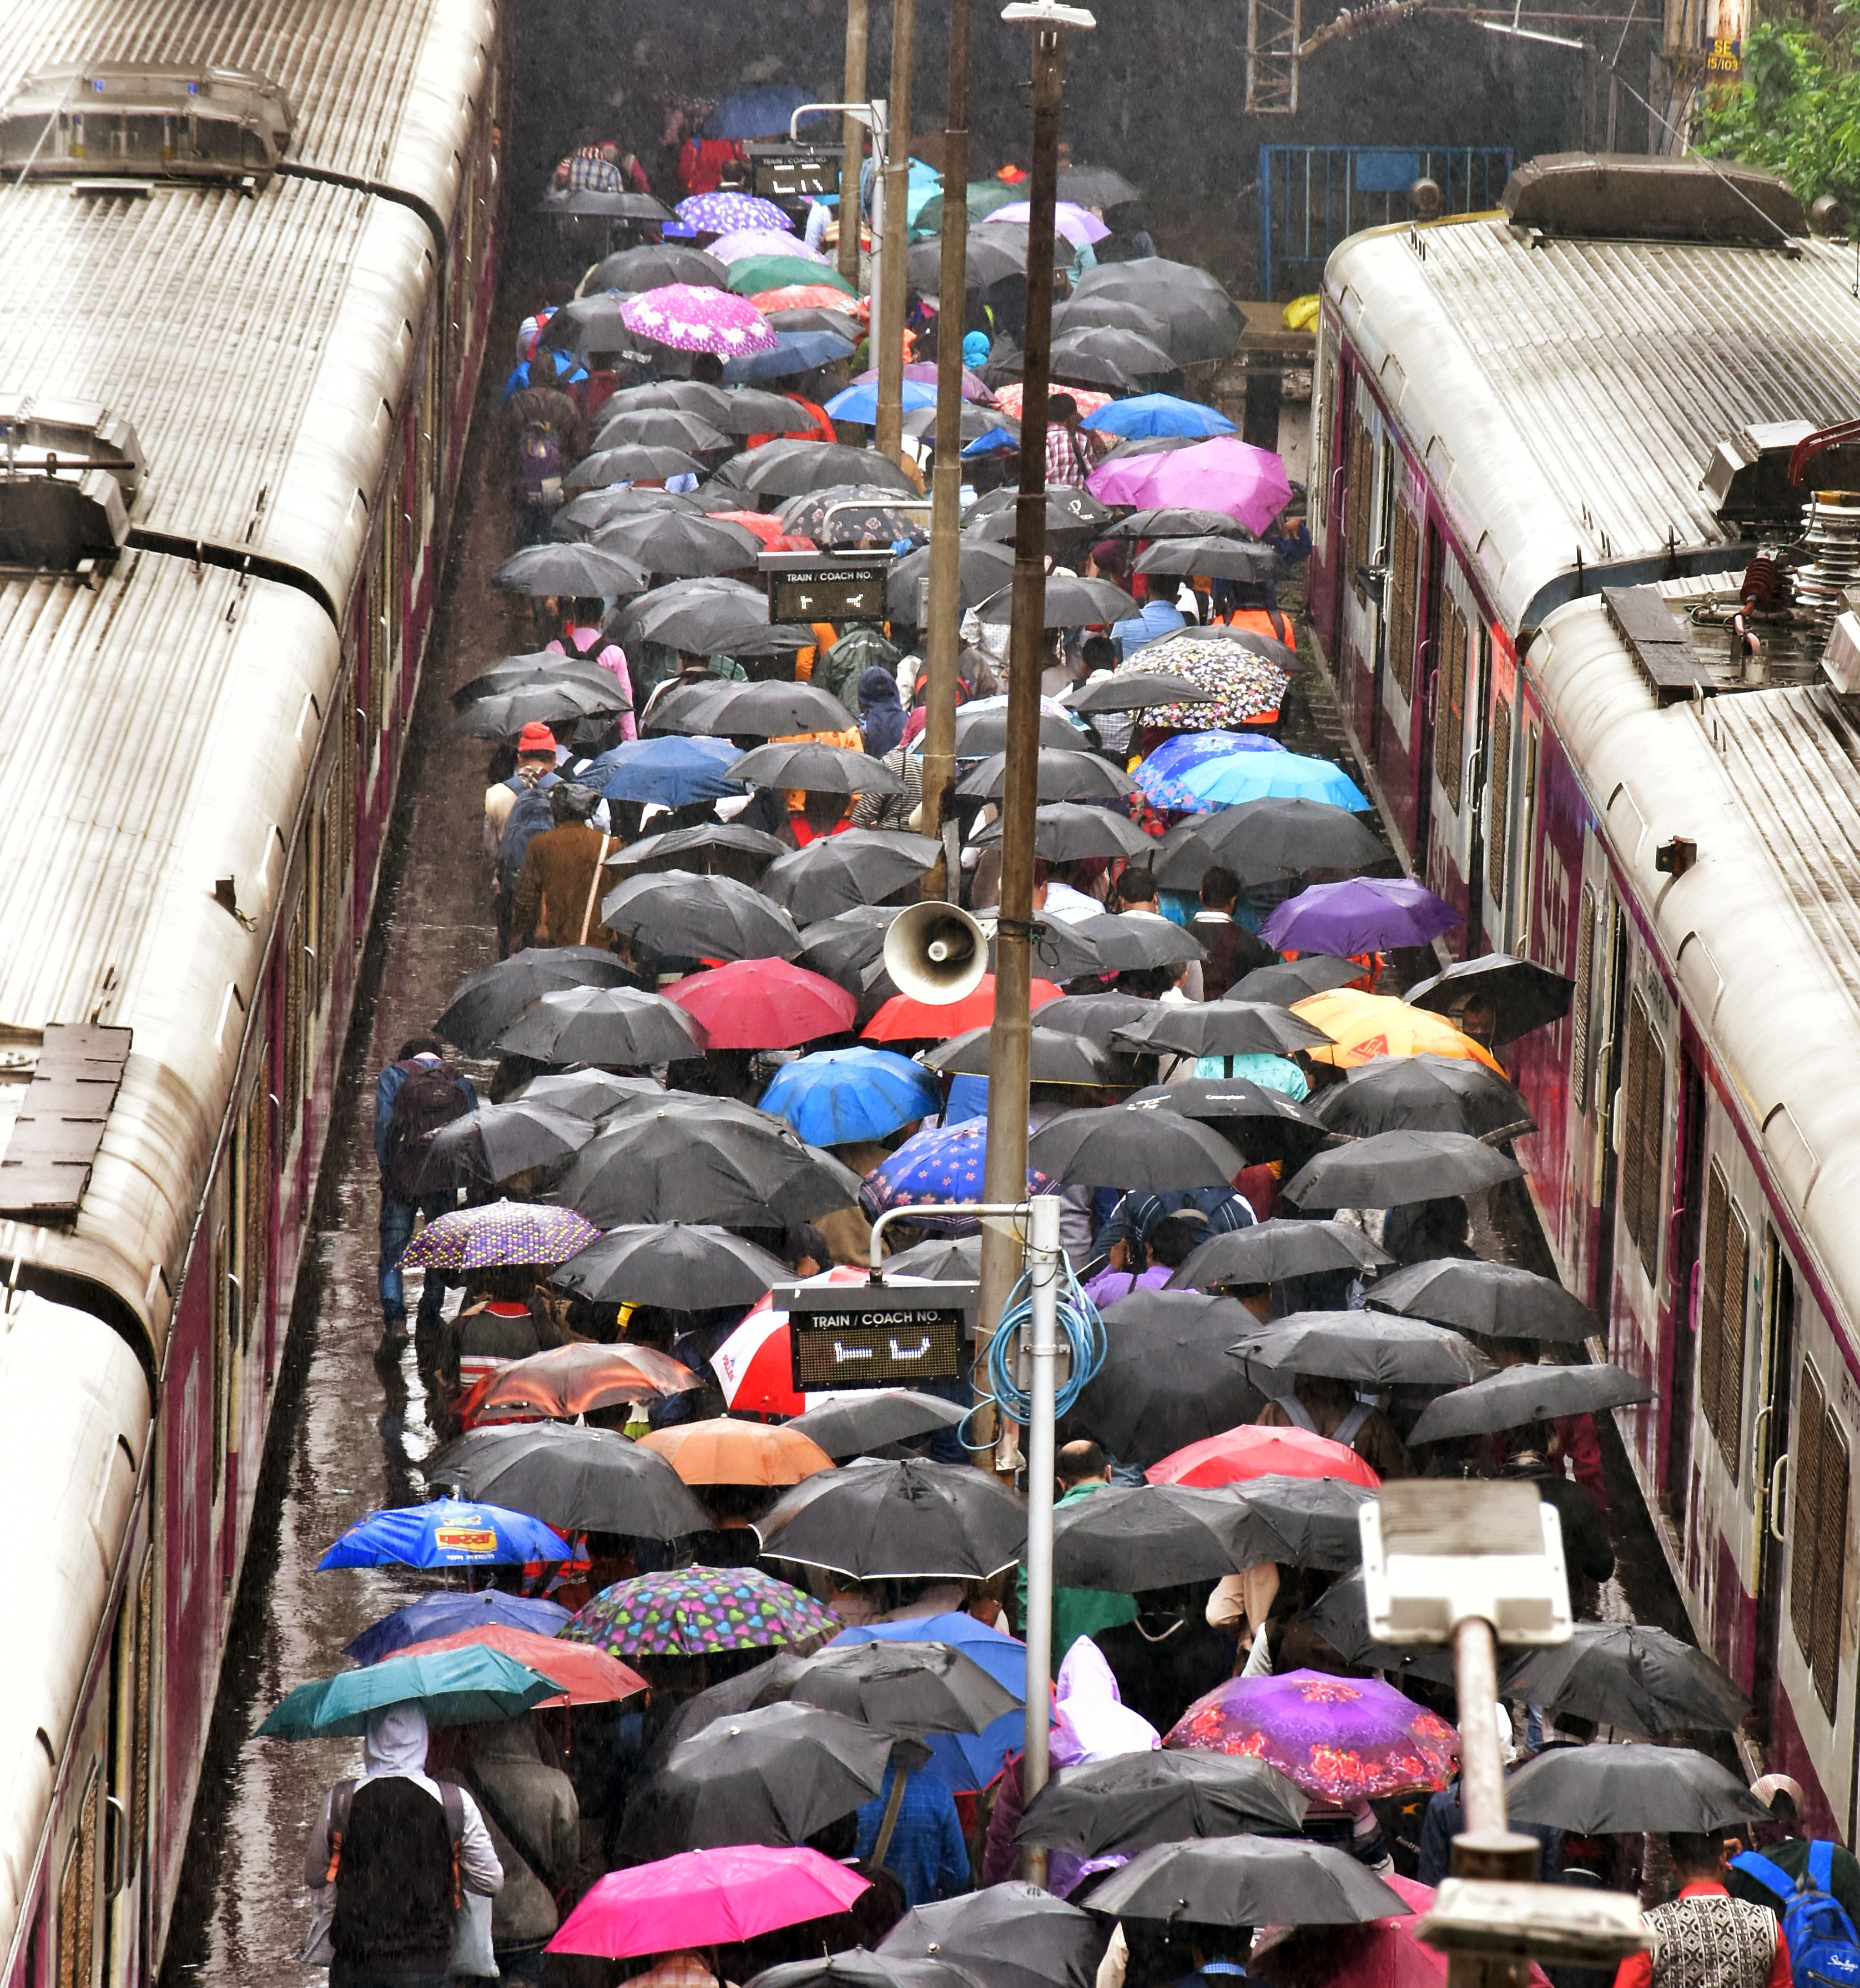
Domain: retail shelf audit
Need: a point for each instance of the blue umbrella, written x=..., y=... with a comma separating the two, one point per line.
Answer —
x=440, y=1614
x=452, y=1687
x=837, y=1095
x=944, y=1164
x=447, y=1533
x=861, y=404
x=964, y=1759
x=761, y=111
x=987, y=444
x=1160, y=776
x=795, y=352
x=1156, y=414
x=674, y=768
x=1251, y=776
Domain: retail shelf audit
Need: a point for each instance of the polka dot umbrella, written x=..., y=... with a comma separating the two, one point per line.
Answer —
x=503, y=1232
x=691, y=320
x=698, y=1609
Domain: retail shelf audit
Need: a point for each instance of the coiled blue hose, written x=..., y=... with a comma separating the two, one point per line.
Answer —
x=1081, y=1331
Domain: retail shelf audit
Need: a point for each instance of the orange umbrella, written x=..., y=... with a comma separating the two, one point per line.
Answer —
x=1364, y=1026
x=587, y=1675
x=803, y=296
x=767, y=527
x=570, y=1379
x=903, y=1019
x=724, y=1452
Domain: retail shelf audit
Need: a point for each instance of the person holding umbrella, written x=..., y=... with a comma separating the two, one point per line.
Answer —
x=405, y=1121
x=557, y=902
x=1081, y=1468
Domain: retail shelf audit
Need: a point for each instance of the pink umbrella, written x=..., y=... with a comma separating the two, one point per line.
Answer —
x=764, y=1004
x=1076, y=223
x=1224, y=474
x=1384, y=1953
x=705, y=1897
x=743, y=242
x=691, y=320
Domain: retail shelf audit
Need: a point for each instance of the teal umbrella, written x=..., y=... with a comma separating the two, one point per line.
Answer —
x=452, y=1687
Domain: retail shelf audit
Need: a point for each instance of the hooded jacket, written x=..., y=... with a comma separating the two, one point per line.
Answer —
x=881, y=717
x=535, y=1825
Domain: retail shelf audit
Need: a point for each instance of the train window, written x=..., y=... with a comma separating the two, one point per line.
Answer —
x=77, y=1897
x=255, y=1201
x=1499, y=827
x=1585, y=991
x=1450, y=707
x=1819, y=1534
x=1403, y=591
x=1359, y=504
x=1726, y=1269
x=1643, y=1105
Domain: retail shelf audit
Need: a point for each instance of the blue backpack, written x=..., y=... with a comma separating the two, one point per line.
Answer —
x=1824, y=1951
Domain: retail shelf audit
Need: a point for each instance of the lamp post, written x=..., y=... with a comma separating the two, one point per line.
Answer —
x=889, y=306
x=852, y=137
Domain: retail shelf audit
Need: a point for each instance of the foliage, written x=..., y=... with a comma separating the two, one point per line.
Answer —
x=1798, y=113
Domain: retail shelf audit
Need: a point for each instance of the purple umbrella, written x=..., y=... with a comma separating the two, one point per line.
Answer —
x=690, y=319
x=1362, y=914
x=741, y=242
x=1077, y=224
x=717, y=213
x=1224, y=474
x=924, y=372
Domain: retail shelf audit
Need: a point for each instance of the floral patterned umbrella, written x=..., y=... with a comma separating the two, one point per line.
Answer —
x=717, y=213
x=697, y=1609
x=1245, y=686
x=691, y=320
x=1343, y=1740
x=504, y=1231
x=846, y=514
x=1159, y=776
x=1087, y=399
x=806, y=296
x=743, y=242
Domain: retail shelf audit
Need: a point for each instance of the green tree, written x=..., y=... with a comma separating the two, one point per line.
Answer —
x=1797, y=113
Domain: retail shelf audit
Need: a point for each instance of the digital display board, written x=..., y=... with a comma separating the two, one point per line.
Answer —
x=876, y=1336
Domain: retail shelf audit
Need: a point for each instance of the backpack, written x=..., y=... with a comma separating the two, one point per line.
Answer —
x=430, y=1098
x=529, y=817
x=539, y=463
x=1824, y=1951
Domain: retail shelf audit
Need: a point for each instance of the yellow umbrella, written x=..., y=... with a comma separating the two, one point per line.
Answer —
x=1365, y=1026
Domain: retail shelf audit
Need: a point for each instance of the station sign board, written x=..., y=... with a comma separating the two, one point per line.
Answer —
x=826, y=586
x=854, y=1336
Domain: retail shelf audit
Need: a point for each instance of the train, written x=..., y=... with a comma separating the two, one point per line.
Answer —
x=251, y=254
x=1582, y=537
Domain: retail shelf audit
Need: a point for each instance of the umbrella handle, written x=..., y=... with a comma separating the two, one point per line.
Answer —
x=888, y=1822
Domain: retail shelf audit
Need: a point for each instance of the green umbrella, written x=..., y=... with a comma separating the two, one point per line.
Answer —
x=755, y=274
x=452, y=1687
x=984, y=197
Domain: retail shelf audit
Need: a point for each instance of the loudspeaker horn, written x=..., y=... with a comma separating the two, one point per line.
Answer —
x=935, y=952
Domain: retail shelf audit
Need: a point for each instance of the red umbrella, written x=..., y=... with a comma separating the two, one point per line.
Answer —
x=1250, y=1451
x=767, y=527
x=1383, y=1953
x=587, y=1675
x=903, y=1019
x=764, y=1004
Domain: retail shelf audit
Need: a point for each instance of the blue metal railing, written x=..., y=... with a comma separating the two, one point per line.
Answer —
x=1312, y=197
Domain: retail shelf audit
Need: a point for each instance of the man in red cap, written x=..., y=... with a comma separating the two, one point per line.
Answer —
x=514, y=810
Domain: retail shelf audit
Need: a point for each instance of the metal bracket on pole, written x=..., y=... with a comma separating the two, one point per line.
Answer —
x=870, y=115
x=1042, y=1347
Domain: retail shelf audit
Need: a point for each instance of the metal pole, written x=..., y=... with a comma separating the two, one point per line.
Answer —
x=1005, y=1171
x=1486, y=1847
x=888, y=312
x=852, y=138
x=1043, y=1333
x=942, y=648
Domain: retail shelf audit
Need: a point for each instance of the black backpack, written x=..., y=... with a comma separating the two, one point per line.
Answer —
x=529, y=817
x=430, y=1098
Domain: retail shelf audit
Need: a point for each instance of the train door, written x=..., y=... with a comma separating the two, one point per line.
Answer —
x=1402, y=689
x=1687, y=1268
x=1427, y=677
x=1769, y=1454
x=1358, y=582
x=1460, y=653
x=1608, y=1094
x=1378, y=574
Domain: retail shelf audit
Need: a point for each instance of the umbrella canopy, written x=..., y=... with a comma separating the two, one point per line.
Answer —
x=659, y=427
x=962, y=1759
x=907, y=1519
x=1203, y=319
x=754, y=274
x=453, y=1687
x=1127, y=1803
x=942, y=1163
x=672, y=771
x=745, y=411
x=676, y=542
x=1340, y=1616
x=632, y=463
x=434, y=1616
x=1141, y=940
x=576, y=1480
x=1097, y=1017
x=484, y=1001
x=916, y=1688
x=1246, y=1881
x=584, y=1676
x=1497, y=1301
x=1011, y=1936
x=719, y=212
x=558, y=567
x=772, y=1775
x=740, y=243
x=603, y=1024
x=1126, y=1538
x=1068, y=509
x=1257, y=1116
x=712, y=848
x=539, y=670
x=506, y=715
x=651, y=265
x=1133, y=1146
x=1061, y=777
x=1518, y=1395
x=446, y=1533
x=1629, y=1675
x=797, y=350
x=1381, y=1953
x=1365, y=1026
x=697, y=1610
x=1231, y=682
x=1065, y=831
x=1053, y=1057
x=1271, y=1251
x=859, y=405
x=1253, y=776
x=1156, y=415
x=587, y=512
x=981, y=728
x=723, y=1451
x=690, y=396
x=1344, y=1739
x=834, y=873
x=1220, y=557
x=1252, y=1452
x=982, y=568
x=764, y=1004
x=573, y=1380
x=684, y=1266
x=835, y=1097
x=1523, y=995
x=904, y=1019
x=857, y=1968
x=1289, y=981
x=692, y=319
x=1617, y=1790
x=1095, y=186
x=589, y=1094
x=705, y=1897
x=1103, y=355
x=855, y=511
x=1166, y=1379
x=500, y=1232
x=793, y=467
x=497, y=1141
x=850, y=1424
x=1222, y=1028
x=1396, y=1167
x=754, y=1364
x=1076, y=223
x=767, y=710
x=1425, y=1094
x=1260, y=840
x=1361, y=914
x=1315, y=1520
x=1372, y=1349
x=817, y=767
x=705, y=917
x=1175, y=521
x=1223, y=474
x=820, y=300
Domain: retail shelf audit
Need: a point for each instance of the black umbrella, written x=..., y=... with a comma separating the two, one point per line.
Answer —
x=1372, y=1349
x=587, y=325
x=587, y=513
x=596, y=203
x=1315, y=1519
x=697, y=1160
x=834, y=873
x=652, y=266
x=1064, y=831
x=708, y=617
x=763, y=710
x=850, y=514
x=901, y=1688
x=1141, y=939
x=858, y=1423
x=1073, y=602
x=1060, y=952
x=1217, y=1099
x=1425, y=1094
x=660, y=428
x=1011, y=1936
x=1166, y=1379
x=1133, y=1146
x=712, y=848
x=498, y=1141
x=563, y=568
x=632, y=462
x=751, y=412
x=679, y=542
x=1053, y=1057
x=1629, y=1675
x=818, y=317
x=684, y=1266
x=1396, y=1167
x=1151, y=445
x=1523, y=995
x=856, y=1968
x=982, y=568
x=545, y=667
x=1223, y=1028
x=675, y=912
x=841, y=946
x=1246, y=1881
x=484, y=1001
x=1062, y=777
x=1203, y=322
x=986, y=262
x=817, y=767
x=1131, y=1800
x=603, y=1024
x=575, y=1479
x=1261, y=840
x=974, y=422
x=1531, y=1393
x=1129, y=1537
x=907, y=1519
x=1270, y=1252
x=640, y=616
x=1340, y=1616
x=588, y=1093
x=1069, y=508
x=688, y=397
x=773, y=1776
x=1136, y=690
x=1097, y=1016
x=1095, y=186
x=505, y=715
x=1222, y=557
x=1498, y=1300
x=981, y=732
x=1291, y=980
x=1111, y=313
x=1175, y=521
x=1107, y=356
x=792, y=467
x=1624, y=1790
